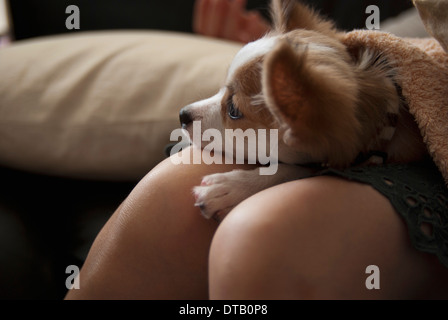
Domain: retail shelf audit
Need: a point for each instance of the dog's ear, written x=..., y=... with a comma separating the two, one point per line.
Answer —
x=287, y=94
x=288, y=15
x=311, y=101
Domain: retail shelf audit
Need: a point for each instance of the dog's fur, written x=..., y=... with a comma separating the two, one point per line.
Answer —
x=330, y=105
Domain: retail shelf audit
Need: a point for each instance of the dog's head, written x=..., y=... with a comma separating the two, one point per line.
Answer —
x=301, y=80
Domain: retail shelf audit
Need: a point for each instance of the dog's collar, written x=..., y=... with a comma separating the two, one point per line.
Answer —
x=363, y=158
x=371, y=157
x=389, y=130
x=378, y=157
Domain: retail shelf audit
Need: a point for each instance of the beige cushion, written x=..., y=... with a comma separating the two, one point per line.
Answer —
x=406, y=24
x=434, y=16
x=101, y=105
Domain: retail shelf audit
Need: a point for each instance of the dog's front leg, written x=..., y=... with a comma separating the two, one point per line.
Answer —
x=219, y=193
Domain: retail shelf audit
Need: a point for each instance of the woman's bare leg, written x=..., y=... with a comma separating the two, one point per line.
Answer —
x=315, y=238
x=156, y=244
x=312, y=238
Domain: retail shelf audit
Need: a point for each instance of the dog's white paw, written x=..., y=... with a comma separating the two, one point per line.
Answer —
x=221, y=192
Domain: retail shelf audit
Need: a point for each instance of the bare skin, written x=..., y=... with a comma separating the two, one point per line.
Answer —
x=155, y=246
x=308, y=239
x=228, y=19
x=313, y=239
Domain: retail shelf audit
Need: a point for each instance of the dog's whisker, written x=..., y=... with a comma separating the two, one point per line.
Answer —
x=257, y=99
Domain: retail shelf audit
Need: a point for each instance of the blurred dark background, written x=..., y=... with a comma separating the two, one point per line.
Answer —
x=32, y=18
x=48, y=223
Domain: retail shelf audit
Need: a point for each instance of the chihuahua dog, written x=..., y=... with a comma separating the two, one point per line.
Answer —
x=329, y=104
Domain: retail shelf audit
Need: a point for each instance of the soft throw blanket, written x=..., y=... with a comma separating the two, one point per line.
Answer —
x=422, y=66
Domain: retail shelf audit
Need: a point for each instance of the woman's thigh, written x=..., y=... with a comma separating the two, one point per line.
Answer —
x=316, y=238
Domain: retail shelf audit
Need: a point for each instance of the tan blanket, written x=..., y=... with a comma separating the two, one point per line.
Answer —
x=422, y=66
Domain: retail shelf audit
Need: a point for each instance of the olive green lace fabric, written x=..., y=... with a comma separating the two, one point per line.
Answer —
x=418, y=193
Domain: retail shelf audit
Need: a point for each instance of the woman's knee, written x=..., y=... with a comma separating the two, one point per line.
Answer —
x=258, y=249
x=169, y=185
x=157, y=241
x=314, y=239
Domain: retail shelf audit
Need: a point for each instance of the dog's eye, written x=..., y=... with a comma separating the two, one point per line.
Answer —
x=233, y=111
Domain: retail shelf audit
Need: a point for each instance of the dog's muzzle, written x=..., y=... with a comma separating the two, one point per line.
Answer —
x=185, y=118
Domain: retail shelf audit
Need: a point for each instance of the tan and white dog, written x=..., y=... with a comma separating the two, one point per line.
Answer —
x=328, y=103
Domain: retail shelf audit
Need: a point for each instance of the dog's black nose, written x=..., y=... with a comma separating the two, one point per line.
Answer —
x=185, y=118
